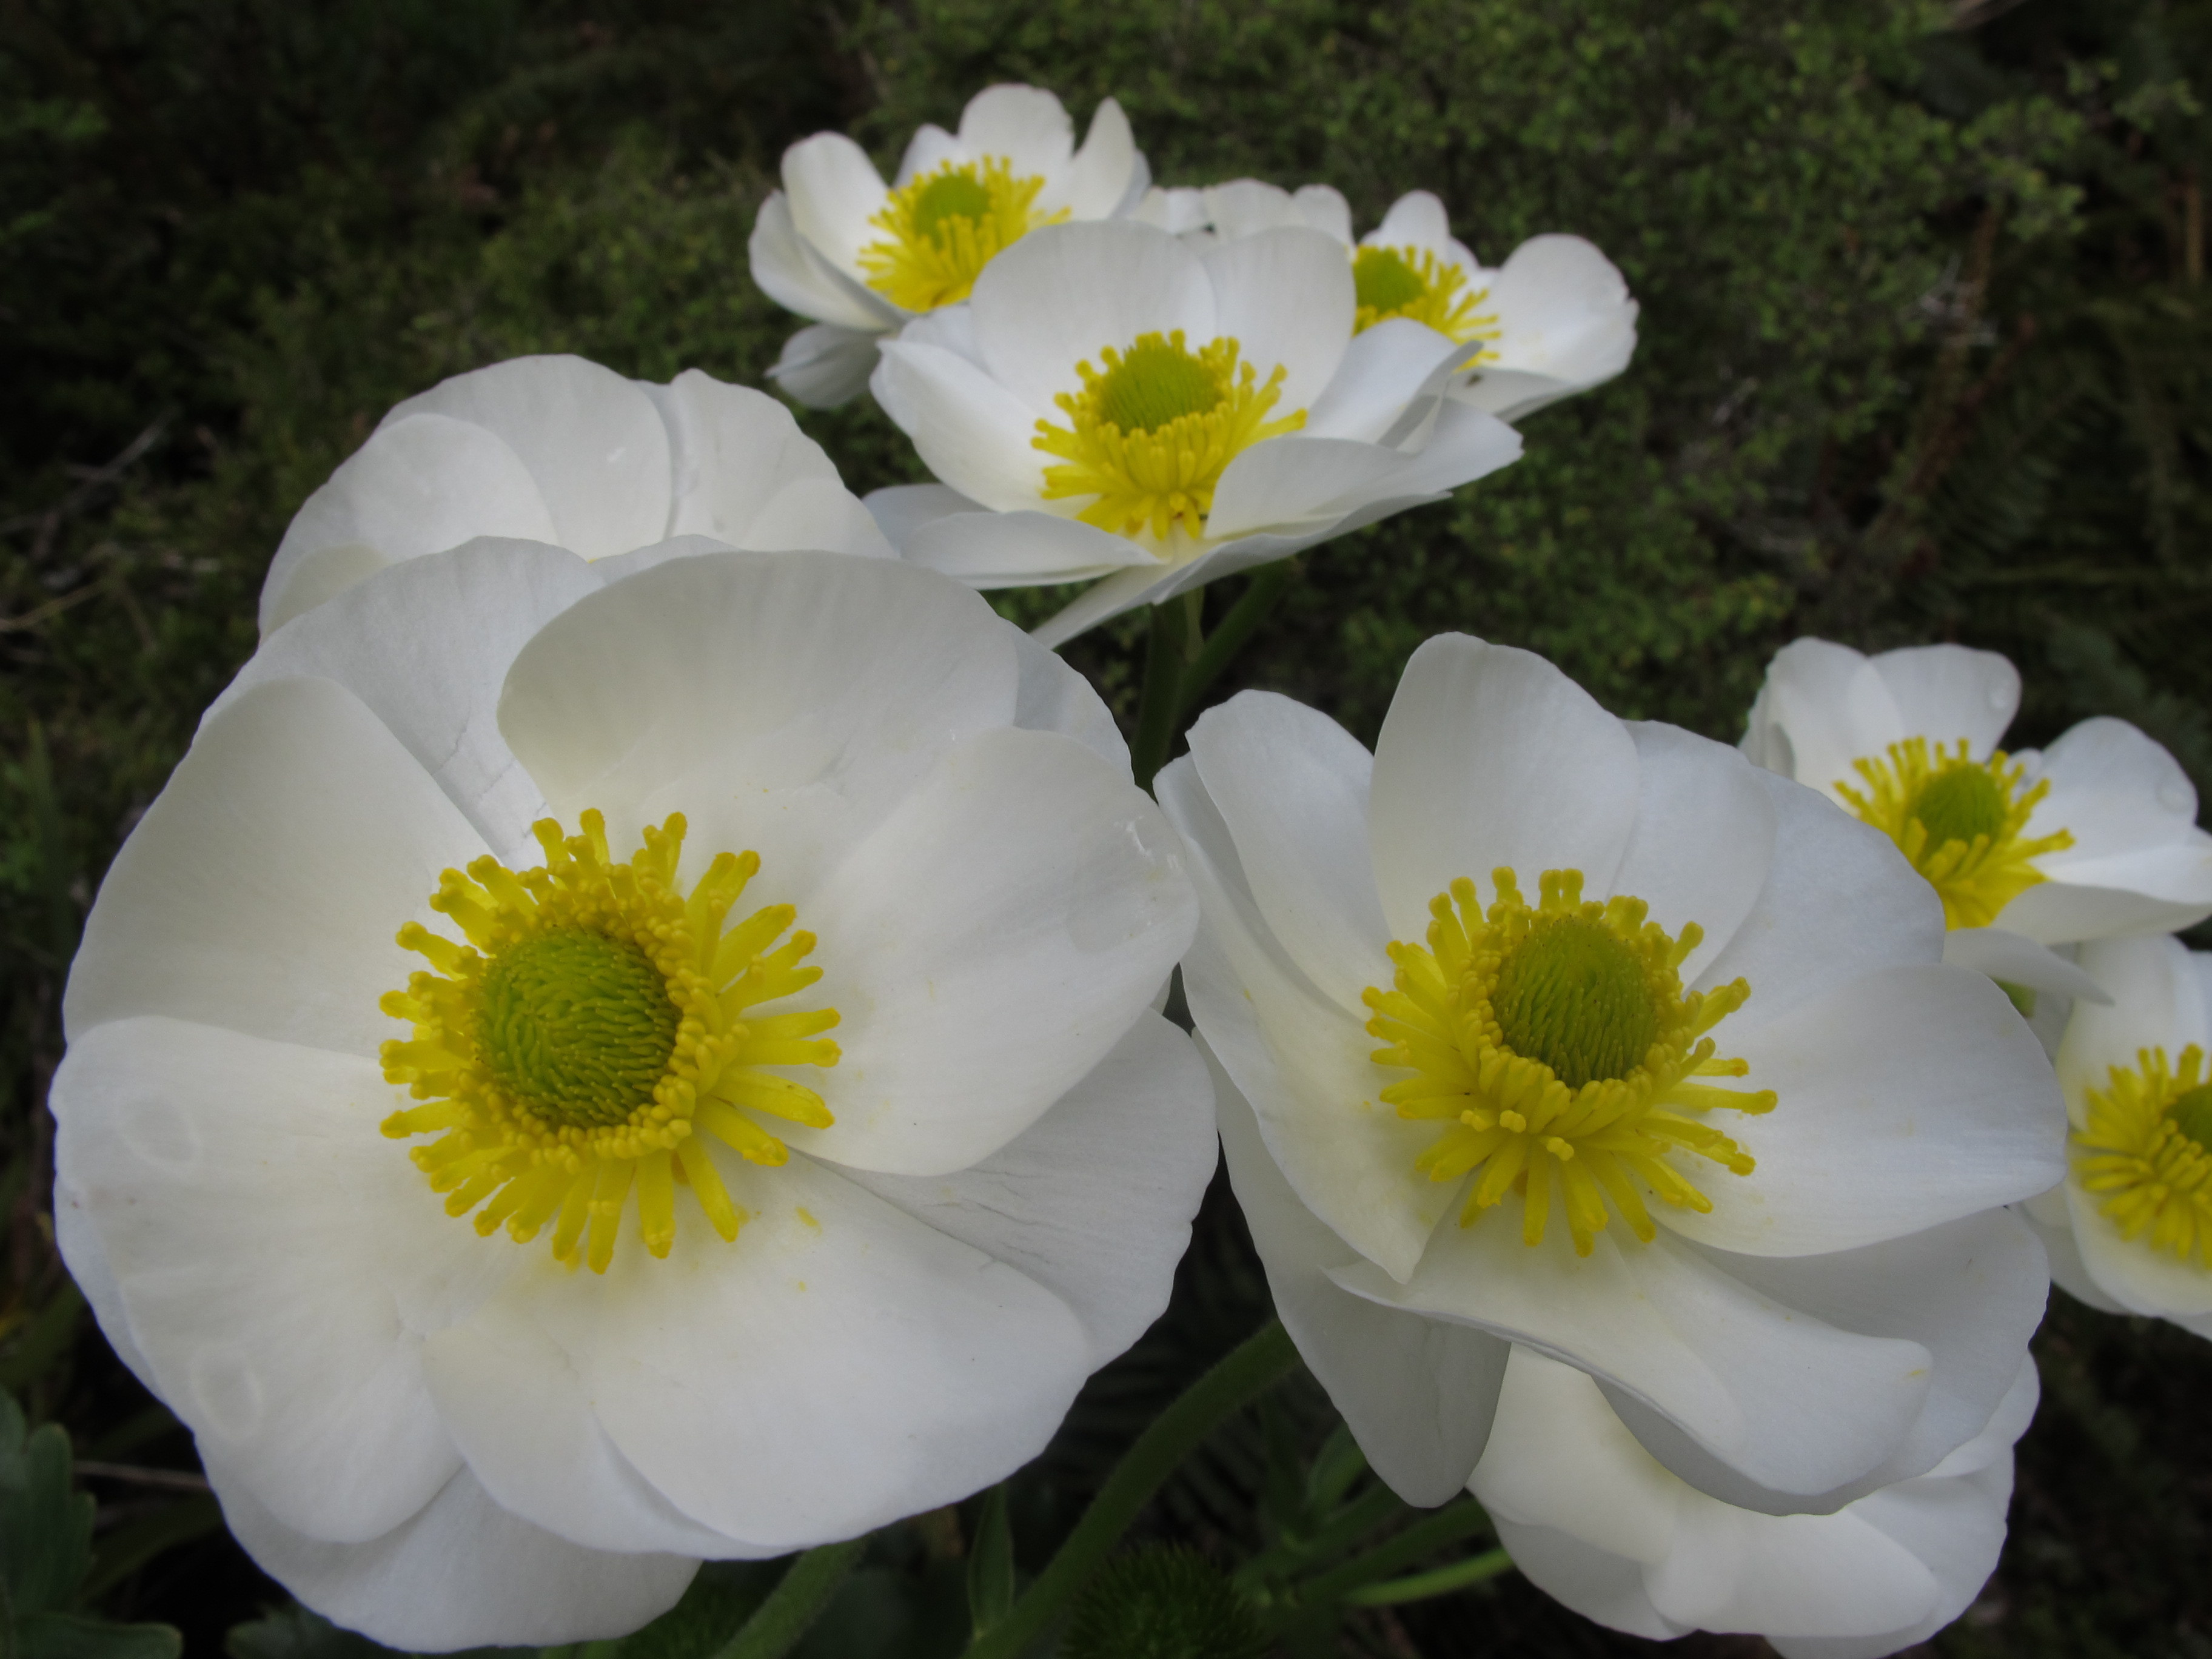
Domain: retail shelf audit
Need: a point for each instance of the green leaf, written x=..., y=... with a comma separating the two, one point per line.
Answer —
x=74, y=1636
x=46, y=1528
x=991, y=1564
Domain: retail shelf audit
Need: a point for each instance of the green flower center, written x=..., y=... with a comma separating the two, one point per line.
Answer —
x=577, y=1025
x=2191, y=1112
x=1384, y=281
x=1573, y=996
x=949, y=196
x=1157, y=381
x=1960, y=802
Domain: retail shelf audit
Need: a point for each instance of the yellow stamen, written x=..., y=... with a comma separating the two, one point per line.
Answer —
x=568, y=1050
x=1556, y=1044
x=941, y=229
x=1960, y=822
x=1412, y=282
x=1151, y=433
x=2146, y=1153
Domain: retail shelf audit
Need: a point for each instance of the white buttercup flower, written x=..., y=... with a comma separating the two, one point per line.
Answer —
x=1114, y=402
x=2094, y=837
x=560, y=450
x=864, y=258
x=1537, y=1027
x=2130, y=1230
x=1554, y=319
x=589, y=1067
x=1591, y=1519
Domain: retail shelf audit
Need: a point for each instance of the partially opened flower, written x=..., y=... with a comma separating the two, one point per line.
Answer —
x=2094, y=837
x=1537, y=1027
x=1114, y=402
x=560, y=450
x=2130, y=1230
x=582, y=1071
x=863, y=258
x=1591, y=1519
x=1554, y=319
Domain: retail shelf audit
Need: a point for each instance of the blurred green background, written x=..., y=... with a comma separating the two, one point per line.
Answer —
x=1926, y=355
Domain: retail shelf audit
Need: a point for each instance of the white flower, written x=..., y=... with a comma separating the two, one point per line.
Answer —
x=1593, y=1521
x=1793, y=1289
x=2130, y=1230
x=563, y=451
x=862, y=258
x=1113, y=402
x=2094, y=837
x=1554, y=319
x=952, y=1209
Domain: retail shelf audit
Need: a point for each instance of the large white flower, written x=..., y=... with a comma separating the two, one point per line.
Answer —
x=788, y=1036
x=1486, y=997
x=2095, y=836
x=563, y=451
x=1554, y=319
x=1114, y=402
x=1592, y=1521
x=2130, y=1230
x=863, y=258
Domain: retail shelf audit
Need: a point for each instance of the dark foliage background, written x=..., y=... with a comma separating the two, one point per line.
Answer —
x=1925, y=354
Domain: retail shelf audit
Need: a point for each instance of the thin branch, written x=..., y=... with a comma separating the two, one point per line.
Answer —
x=174, y=1480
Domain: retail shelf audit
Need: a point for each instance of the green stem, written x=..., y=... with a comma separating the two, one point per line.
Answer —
x=1442, y=1582
x=1167, y=657
x=1262, y=1360
x=1229, y=635
x=795, y=1603
x=1423, y=1538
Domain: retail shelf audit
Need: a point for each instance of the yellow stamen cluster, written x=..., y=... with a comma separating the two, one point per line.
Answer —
x=596, y=1018
x=1151, y=433
x=1558, y=1046
x=1960, y=822
x=941, y=229
x=1412, y=282
x=2145, y=1154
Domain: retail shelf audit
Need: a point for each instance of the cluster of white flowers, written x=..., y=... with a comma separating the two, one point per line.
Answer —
x=452, y=1131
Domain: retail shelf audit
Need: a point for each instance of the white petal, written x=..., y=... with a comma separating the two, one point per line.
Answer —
x=1840, y=902
x=1297, y=1056
x=987, y=946
x=1285, y=297
x=834, y=190
x=1417, y=1394
x=1053, y=697
x=1970, y=1294
x=899, y=510
x=1945, y=692
x=2011, y=960
x=930, y=148
x=279, y=1261
x=593, y=441
x=2134, y=1273
x=426, y=646
x=1909, y=1098
x=1491, y=756
x=970, y=430
x=519, y=1413
x=1099, y=179
x=751, y=672
x=1324, y=208
x=263, y=889
x=1094, y=1201
x=1559, y=1457
x=1380, y=371
x=1246, y=207
x=1296, y=481
x=420, y=484
x=1181, y=210
x=817, y=515
x=2047, y=1214
x=1704, y=841
x=1017, y=549
x=1795, y=1403
x=799, y=276
x=1025, y=124
x=734, y=449
x=1606, y=1588
x=76, y=1235
x=1291, y=786
x=1510, y=393
x=901, y=1370
x=1798, y=1575
x=826, y=365
x=1417, y=219
x=1125, y=590
x=1830, y=708
x=2156, y=1002
x=1062, y=295
x=1565, y=309
x=462, y=1573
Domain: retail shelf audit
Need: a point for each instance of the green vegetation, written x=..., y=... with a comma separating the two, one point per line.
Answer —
x=1927, y=354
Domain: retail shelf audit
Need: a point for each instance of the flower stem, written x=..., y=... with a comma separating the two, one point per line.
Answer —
x=1167, y=659
x=795, y=1603
x=1423, y=1538
x=1262, y=1360
x=1441, y=1581
x=1231, y=633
